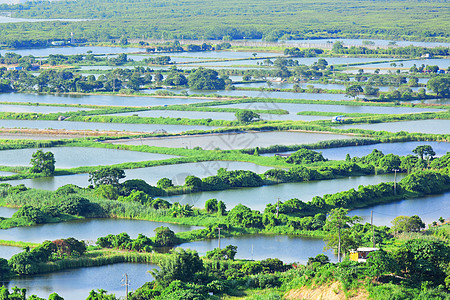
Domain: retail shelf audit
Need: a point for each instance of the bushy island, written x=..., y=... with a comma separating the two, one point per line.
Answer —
x=411, y=264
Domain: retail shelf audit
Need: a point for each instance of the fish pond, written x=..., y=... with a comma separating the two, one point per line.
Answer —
x=421, y=126
x=232, y=141
x=72, y=157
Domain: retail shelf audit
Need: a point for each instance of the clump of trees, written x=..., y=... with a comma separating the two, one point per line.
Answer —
x=43, y=163
x=205, y=79
x=305, y=156
x=407, y=224
x=27, y=262
x=246, y=116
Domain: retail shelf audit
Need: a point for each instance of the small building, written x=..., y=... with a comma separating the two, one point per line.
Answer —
x=360, y=255
x=339, y=119
x=58, y=43
x=18, y=68
x=282, y=154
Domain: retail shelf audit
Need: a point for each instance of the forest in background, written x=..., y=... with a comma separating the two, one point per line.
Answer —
x=200, y=19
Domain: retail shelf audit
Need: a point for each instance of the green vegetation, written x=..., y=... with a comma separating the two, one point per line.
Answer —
x=237, y=20
x=43, y=162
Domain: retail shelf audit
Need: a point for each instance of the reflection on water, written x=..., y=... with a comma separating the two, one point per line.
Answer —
x=289, y=249
x=428, y=208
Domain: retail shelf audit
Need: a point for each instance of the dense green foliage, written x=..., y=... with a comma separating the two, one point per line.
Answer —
x=28, y=262
x=237, y=20
x=43, y=162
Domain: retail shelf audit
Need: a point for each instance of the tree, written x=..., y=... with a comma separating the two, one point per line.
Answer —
x=30, y=214
x=227, y=253
x=193, y=182
x=370, y=90
x=43, y=162
x=5, y=270
x=246, y=116
x=164, y=183
x=211, y=205
x=424, y=150
x=74, y=205
x=440, y=85
x=106, y=175
x=205, y=79
x=165, y=237
x=221, y=208
x=353, y=91
x=55, y=296
x=304, y=156
x=243, y=216
x=407, y=224
x=408, y=162
x=380, y=262
x=389, y=161
x=336, y=223
x=181, y=265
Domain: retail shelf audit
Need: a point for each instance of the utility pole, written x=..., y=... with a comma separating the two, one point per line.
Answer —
x=219, y=234
x=339, y=235
x=339, y=245
x=278, y=206
x=126, y=284
x=395, y=180
x=373, y=233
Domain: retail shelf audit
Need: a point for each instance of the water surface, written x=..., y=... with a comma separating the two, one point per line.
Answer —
x=228, y=116
x=96, y=99
x=7, y=251
x=441, y=63
x=75, y=284
x=405, y=148
x=289, y=249
x=259, y=197
x=293, y=108
x=237, y=140
x=86, y=229
x=44, y=52
x=72, y=157
x=95, y=126
x=429, y=208
x=177, y=173
x=421, y=126
x=38, y=109
x=7, y=212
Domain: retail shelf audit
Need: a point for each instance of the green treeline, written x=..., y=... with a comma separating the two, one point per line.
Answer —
x=136, y=20
x=109, y=198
